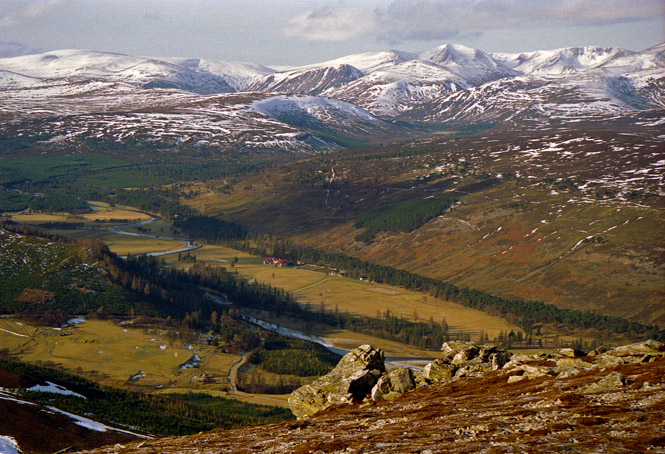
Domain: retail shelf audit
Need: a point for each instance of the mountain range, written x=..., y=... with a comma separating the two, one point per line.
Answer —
x=370, y=97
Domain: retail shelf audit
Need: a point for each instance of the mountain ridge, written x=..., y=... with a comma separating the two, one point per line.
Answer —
x=449, y=85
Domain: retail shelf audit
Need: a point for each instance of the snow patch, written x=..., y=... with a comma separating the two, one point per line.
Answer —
x=191, y=362
x=55, y=389
x=140, y=374
x=94, y=425
x=75, y=321
x=8, y=445
x=313, y=105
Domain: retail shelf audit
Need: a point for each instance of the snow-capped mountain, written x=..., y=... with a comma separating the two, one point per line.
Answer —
x=239, y=75
x=77, y=65
x=560, y=61
x=651, y=58
x=472, y=65
x=368, y=62
x=390, y=82
x=308, y=80
x=193, y=75
x=575, y=84
x=536, y=101
x=75, y=95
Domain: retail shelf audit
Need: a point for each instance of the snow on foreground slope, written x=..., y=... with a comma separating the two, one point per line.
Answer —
x=327, y=116
x=8, y=445
x=27, y=426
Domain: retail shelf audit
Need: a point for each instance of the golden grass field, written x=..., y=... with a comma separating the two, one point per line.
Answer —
x=110, y=353
x=125, y=244
x=280, y=400
x=102, y=213
x=353, y=296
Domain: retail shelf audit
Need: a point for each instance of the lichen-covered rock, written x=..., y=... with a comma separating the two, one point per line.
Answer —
x=438, y=372
x=598, y=351
x=608, y=360
x=473, y=369
x=351, y=380
x=642, y=348
x=567, y=372
x=569, y=367
x=393, y=384
x=611, y=382
x=499, y=359
x=463, y=350
x=572, y=362
x=531, y=371
x=486, y=351
x=516, y=378
x=572, y=352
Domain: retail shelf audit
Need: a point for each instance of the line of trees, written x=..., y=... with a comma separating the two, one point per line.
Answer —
x=210, y=229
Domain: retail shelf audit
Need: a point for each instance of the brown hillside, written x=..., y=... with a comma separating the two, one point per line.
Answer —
x=469, y=415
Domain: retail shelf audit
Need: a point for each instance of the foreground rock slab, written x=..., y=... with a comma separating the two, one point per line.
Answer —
x=351, y=380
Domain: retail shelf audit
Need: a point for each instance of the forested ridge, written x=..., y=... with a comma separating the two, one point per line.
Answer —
x=401, y=217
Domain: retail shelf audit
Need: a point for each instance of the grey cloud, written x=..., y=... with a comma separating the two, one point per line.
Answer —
x=431, y=20
x=30, y=10
x=151, y=17
x=446, y=16
x=330, y=24
x=14, y=49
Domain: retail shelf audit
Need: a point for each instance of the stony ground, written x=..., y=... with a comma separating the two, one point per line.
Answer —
x=470, y=415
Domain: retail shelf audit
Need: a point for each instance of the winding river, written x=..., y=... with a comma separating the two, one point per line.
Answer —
x=413, y=362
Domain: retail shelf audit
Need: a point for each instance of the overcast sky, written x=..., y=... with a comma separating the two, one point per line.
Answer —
x=281, y=32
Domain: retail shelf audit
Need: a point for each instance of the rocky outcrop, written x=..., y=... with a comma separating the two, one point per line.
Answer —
x=361, y=374
x=462, y=359
x=610, y=382
x=616, y=409
x=393, y=384
x=437, y=371
x=568, y=362
x=351, y=380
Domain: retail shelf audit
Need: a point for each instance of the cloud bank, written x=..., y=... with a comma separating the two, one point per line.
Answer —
x=30, y=10
x=330, y=24
x=422, y=20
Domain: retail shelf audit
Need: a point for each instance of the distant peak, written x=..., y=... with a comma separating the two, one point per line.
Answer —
x=454, y=53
